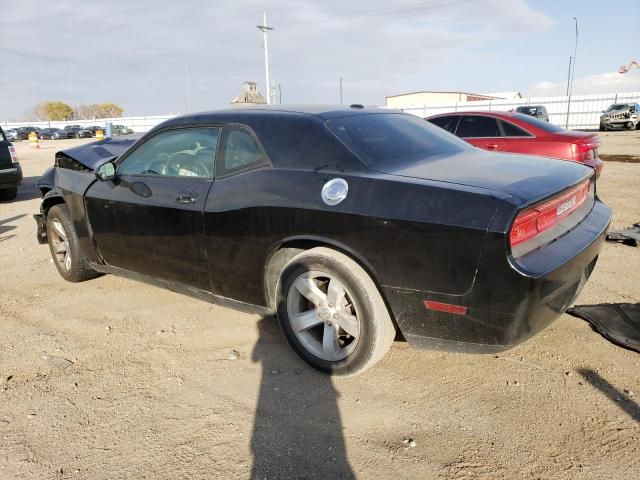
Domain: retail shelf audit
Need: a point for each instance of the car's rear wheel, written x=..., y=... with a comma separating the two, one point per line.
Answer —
x=8, y=194
x=331, y=312
x=65, y=248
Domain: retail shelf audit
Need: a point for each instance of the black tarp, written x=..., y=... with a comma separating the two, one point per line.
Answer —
x=618, y=322
x=628, y=236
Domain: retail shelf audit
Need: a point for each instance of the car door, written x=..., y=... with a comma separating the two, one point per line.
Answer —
x=149, y=219
x=518, y=140
x=230, y=232
x=481, y=131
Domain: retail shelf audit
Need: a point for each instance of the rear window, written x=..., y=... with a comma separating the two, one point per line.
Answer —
x=382, y=138
x=473, y=126
x=536, y=122
x=510, y=130
x=449, y=122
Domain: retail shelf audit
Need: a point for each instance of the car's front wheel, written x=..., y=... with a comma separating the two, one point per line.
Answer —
x=65, y=248
x=331, y=312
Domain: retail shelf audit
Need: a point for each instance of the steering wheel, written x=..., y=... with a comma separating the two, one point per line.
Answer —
x=188, y=162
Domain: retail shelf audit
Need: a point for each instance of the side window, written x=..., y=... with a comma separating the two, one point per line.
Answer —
x=239, y=151
x=478, y=126
x=449, y=122
x=510, y=130
x=184, y=152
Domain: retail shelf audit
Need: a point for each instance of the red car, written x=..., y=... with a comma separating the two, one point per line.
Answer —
x=518, y=133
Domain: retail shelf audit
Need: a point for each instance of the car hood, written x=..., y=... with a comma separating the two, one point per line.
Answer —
x=528, y=177
x=93, y=154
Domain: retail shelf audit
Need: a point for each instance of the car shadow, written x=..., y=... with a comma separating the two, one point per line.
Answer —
x=297, y=429
x=28, y=189
x=4, y=228
x=622, y=400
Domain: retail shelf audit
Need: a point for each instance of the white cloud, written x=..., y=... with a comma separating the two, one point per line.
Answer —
x=134, y=53
x=610, y=82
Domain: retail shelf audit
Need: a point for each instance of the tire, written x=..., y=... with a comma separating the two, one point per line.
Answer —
x=631, y=126
x=8, y=194
x=356, y=326
x=65, y=248
x=602, y=129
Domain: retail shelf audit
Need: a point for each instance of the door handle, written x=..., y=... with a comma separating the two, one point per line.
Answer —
x=491, y=146
x=186, y=197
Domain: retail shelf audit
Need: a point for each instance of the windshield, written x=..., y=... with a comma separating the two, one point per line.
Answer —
x=383, y=138
x=536, y=122
x=620, y=106
x=529, y=110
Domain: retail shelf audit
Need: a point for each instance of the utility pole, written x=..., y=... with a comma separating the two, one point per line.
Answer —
x=573, y=72
x=340, y=91
x=569, y=76
x=186, y=71
x=264, y=28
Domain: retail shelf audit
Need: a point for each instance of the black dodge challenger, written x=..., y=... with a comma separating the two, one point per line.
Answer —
x=350, y=223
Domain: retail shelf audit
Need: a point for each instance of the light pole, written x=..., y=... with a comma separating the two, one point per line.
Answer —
x=264, y=28
x=573, y=71
x=569, y=75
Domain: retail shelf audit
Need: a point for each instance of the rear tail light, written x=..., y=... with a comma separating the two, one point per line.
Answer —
x=14, y=155
x=537, y=219
x=584, y=152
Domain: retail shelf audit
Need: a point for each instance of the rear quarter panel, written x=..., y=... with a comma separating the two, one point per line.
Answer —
x=415, y=235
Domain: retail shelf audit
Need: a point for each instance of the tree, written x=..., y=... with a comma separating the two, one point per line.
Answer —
x=85, y=112
x=109, y=110
x=53, y=110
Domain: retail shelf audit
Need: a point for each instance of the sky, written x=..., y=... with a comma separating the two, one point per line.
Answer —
x=136, y=53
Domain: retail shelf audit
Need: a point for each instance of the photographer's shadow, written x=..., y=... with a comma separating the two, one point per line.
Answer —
x=297, y=431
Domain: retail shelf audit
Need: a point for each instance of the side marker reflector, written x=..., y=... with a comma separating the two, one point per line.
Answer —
x=445, y=307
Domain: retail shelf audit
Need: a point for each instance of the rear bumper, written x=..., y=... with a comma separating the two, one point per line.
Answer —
x=510, y=301
x=11, y=177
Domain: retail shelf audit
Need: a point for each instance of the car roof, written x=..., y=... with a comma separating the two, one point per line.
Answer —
x=324, y=112
x=490, y=113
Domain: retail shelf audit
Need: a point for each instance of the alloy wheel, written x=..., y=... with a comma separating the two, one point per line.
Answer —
x=60, y=244
x=323, y=316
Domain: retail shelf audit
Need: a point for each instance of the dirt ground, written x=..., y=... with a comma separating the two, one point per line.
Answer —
x=112, y=379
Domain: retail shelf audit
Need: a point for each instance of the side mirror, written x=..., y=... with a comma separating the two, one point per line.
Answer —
x=105, y=172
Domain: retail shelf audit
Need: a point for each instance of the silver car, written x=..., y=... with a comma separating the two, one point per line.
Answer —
x=619, y=116
x=11, y=134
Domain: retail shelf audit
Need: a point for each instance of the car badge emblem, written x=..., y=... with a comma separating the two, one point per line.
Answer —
x=335, y=191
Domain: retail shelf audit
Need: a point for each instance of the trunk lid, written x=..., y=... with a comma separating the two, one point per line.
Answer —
x=528, y=177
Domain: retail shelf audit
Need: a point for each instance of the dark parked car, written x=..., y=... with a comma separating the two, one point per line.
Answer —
x=537, y=111
x=518, y=133
x=94, y=128
x=23, y=132
x=76, y=131
x=53, y=134
x=10, y=170
x=349, y=223
x=121, y=130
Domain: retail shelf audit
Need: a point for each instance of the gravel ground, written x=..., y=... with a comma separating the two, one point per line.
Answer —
x=113, y=379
